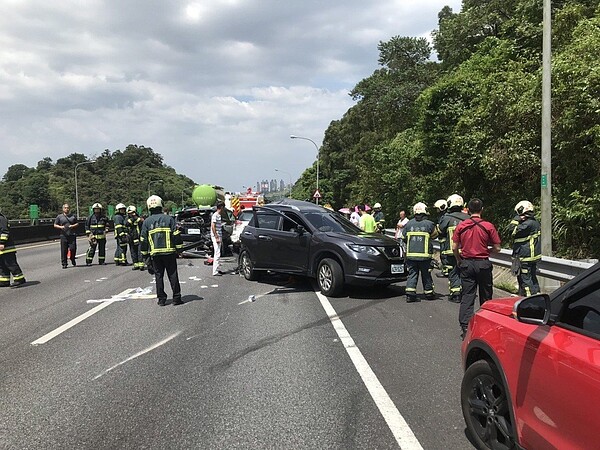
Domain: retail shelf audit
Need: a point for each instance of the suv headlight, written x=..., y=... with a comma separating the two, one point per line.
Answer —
x=363, y=249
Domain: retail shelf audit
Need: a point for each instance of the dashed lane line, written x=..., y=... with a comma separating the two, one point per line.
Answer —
x=397, y=424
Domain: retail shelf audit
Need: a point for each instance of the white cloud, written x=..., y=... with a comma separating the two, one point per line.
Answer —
x=215, y=86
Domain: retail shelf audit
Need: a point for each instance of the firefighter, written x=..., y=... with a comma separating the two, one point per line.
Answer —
x=160, y=241
x=95, y=230
x=134, y=227
x=379, y=218
x=418, y=235
x=527, y=247
x=454, y=215
x=441, y=206
x=8, y=257
x=121, y=235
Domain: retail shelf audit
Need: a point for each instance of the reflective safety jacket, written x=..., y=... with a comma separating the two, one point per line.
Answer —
x=5, y=237
x=134, y=228
x=379, y=221
x=96, y=226
x=418, y=235
x=446, y=228
x=444, y=244
x=160, y=236
x=120, y=226
x=527, y=245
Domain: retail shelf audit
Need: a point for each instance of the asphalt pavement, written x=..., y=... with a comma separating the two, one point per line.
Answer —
x=89, y=360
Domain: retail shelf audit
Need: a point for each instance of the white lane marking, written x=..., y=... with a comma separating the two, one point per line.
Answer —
x=396, y=423
x=45, y=338
x=149, y=349
x=70, y=324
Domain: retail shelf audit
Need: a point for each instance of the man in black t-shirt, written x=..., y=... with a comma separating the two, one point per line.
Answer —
x=67, y=224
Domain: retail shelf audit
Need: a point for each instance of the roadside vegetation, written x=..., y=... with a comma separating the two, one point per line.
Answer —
x=119, y=176
x=471, y=121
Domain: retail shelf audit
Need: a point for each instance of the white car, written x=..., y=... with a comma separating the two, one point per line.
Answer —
x=239, y=225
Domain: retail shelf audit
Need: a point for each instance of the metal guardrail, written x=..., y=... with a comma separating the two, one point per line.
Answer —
x=549, y=267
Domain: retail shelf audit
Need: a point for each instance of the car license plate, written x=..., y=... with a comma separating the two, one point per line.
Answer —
x=397, y=268
x=193, y=230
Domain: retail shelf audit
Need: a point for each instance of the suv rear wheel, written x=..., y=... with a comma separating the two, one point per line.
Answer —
x=247, y=267
x=486, y=407
x=330, y=277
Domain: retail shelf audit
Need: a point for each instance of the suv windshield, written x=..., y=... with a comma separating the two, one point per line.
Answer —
x=325, y=222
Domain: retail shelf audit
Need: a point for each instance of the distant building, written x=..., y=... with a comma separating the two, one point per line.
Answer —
x=281, y=185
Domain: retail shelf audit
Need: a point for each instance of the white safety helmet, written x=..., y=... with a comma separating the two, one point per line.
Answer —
x=120, y=206
x=420, y=208
x=441, y=204
x=455, y=200
x=96, y=206
x=154, y=201
x=377, y=205
x=131, y=209
x=524, y=206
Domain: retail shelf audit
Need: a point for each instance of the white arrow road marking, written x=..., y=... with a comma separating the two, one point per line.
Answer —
x=396, y=423
x=152, y=347
x=129, y=294
x=104, y=303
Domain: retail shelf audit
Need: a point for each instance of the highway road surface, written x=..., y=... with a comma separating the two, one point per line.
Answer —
x=89, y=360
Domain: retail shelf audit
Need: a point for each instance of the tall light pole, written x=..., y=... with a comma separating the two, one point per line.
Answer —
x=318, y=154
x=76, y=191
x=546, y=179
x=288, y=174
x=153, y=181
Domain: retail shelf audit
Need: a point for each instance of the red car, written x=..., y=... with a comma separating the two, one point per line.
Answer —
x=532, y=369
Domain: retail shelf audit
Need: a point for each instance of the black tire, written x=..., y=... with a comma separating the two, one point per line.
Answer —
x=247, y=267
x=486, y=407
x=330, y=277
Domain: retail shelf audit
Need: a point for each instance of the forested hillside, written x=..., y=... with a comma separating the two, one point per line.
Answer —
x=119, y=176
x=471, y=122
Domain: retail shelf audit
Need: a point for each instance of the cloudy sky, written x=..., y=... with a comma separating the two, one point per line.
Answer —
x=215, y=86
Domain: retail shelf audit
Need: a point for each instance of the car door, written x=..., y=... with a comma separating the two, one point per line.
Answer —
x=293, y=243
x=259, y=239
x=558, y=390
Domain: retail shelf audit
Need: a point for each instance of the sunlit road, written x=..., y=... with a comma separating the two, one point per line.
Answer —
x=220, y=371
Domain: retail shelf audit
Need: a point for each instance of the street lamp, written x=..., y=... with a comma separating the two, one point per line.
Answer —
x=76, y=191
x=153, y=181
x=288, y=174
x=318, y=154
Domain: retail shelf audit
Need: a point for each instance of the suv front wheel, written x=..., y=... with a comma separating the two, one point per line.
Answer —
x=486, y=407
x=330, y=277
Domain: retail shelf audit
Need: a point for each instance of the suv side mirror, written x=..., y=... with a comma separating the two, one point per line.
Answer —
x=534, y=310
x=301, y=230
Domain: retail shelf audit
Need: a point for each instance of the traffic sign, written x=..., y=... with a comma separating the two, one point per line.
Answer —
x=317, y=194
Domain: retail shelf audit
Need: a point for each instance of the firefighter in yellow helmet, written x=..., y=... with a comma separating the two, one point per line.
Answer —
x=418, y=235
x=527, y=247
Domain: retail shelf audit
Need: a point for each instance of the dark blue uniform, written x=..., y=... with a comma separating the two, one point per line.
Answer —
x=160, y=242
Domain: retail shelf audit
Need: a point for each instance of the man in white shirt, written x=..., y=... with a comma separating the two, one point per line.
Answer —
x=216, y=235
x=400, y=225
